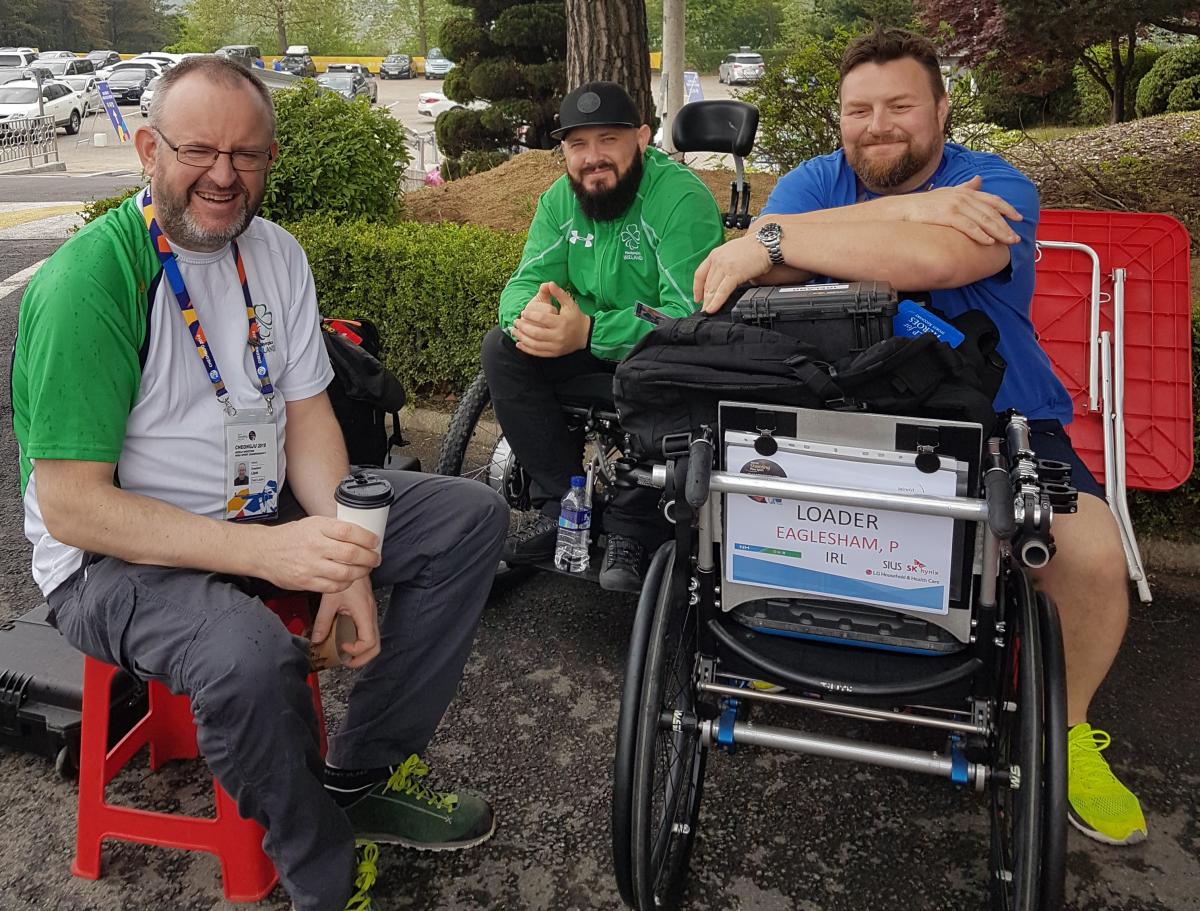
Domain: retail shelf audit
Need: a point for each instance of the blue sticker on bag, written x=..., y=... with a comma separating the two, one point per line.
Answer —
x=913, y=320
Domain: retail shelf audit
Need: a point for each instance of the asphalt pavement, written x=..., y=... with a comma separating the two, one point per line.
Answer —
x=533, y=727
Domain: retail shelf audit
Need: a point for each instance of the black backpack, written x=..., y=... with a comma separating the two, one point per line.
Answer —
x=363, y=392
x=672, y=381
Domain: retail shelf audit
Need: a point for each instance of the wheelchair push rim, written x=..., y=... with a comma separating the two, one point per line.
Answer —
x=669, y=761
x=1027, y=838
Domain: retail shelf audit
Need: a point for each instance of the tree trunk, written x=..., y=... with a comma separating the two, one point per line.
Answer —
x=1117, y=114
x=422, y=27
x=671, y=78
x=606, y=39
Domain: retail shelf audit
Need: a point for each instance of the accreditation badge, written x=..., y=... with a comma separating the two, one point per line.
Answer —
x=251, y=465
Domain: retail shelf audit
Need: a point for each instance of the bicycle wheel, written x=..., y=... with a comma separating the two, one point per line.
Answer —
x=1054, y=809
x=668, y=775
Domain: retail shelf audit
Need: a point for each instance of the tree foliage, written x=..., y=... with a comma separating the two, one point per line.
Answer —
x=1035, y=44
x=798, y=104
x=826, y=17
x=326, y=26
x=510, y=55
x=1154, y=92
x=336, y=157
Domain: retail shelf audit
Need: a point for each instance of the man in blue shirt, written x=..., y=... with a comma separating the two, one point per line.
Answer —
x=900, y=204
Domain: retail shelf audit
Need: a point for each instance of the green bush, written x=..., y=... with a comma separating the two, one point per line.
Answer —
x=1095, y=107
x=798, y=105
x=335, y=157
x=1185, y=96
x=93, y=210
x=1154, y=91
x=433, y=290
x=1000, y=104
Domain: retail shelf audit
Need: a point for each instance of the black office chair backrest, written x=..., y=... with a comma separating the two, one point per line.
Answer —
x=716, y=126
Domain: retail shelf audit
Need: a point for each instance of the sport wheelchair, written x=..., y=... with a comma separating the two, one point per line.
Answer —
x=474, y=445
x=732, y=616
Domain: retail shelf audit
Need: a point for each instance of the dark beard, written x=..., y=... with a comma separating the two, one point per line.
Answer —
x=609, y=205
x=887, y=175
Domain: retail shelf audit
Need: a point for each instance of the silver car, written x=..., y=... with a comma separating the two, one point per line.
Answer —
x=437, y=64
x=741, y=67
x=148, y=95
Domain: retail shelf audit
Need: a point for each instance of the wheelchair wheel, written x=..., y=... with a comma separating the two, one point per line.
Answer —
x=475, y=448
x=669, y=760
x=627, y=722
x=1018, y=793
x=1054, y=810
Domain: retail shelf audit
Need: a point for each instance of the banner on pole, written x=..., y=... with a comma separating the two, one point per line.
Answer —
x=114, y=112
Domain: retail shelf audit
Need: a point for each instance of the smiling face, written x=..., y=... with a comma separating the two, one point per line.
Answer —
x=604, y=167
x=200, y=208
x=892, y=125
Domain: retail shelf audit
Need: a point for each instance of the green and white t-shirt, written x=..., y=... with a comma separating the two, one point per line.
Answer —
x=104, y=369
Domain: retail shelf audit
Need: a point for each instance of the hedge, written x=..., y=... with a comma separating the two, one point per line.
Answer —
x=433, y=290
x=1172, y=67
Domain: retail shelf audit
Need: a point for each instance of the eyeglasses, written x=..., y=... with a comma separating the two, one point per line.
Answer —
x=204, y=157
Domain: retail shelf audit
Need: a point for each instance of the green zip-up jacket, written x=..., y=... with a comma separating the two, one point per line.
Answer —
x=649, y=254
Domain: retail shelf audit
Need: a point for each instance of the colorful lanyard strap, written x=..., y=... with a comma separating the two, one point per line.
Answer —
x=175, y=278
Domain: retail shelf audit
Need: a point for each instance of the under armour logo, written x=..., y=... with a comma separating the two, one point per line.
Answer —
x=576, y=237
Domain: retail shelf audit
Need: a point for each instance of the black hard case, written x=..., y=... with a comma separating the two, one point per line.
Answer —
x=41, y=692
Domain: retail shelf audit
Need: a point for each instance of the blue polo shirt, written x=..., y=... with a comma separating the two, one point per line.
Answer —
x=1030, y=385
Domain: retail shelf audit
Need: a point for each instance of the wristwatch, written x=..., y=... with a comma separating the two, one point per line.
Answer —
x=769, y=235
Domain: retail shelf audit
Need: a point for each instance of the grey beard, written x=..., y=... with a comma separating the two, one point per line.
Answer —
x=180, y=227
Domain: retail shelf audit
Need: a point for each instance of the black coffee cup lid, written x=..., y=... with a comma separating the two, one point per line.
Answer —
x=363, y=490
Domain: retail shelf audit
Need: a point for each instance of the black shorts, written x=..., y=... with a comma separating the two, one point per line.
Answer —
x=1050, y=441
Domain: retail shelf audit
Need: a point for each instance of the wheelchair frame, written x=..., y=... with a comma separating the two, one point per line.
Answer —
x=1007, y=738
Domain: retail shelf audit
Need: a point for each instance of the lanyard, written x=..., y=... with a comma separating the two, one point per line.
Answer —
x=175, y=278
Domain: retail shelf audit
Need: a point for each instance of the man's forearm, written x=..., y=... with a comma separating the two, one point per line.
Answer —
x=316, y=457
x=915, y=257
x=116, y=523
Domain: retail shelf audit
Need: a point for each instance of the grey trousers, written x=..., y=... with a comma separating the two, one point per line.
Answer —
x=201, y=634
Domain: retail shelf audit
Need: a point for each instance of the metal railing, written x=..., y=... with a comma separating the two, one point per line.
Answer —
x=423, y=154
x=28, y=142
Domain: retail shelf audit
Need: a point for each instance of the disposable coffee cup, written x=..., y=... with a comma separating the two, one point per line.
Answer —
x=364, y=499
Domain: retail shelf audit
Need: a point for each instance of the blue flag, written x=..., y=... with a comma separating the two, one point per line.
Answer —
x=114, y=112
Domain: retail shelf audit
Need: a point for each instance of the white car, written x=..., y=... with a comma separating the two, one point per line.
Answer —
x=433, y=103
x=19, y=102
x=88, y=91
x=156, y=68
x=741, y=67
x=148, y=95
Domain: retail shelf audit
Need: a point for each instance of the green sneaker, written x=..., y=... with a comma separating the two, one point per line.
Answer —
x=404, y=811
x=1099, y=805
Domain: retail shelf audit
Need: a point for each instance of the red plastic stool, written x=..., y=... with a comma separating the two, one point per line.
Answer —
x=169, y=730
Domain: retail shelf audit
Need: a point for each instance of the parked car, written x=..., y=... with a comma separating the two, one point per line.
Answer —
x=17, y=56
x=19, y=101
x=349, y=85
x=298, y=62
x=437, y=64
x=54, y=55
x=148, y=95
x=360, y=70
x=246, y=55
x=431, y=104
x=741, y=67
x=396, y=66
x=12, y=74
x=155, y=69
x=128, y=83
x=88, y=90
x=58, y=67
x=101, y=59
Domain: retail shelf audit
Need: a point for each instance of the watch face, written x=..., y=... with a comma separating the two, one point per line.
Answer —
x=769, y=232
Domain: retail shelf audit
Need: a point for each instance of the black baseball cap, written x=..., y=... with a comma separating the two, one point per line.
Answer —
x=597, y=104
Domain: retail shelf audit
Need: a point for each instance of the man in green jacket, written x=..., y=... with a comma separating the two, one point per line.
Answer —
x=624, y=226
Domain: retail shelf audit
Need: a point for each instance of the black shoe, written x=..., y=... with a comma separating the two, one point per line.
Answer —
x=624, y=563
x=532, y=542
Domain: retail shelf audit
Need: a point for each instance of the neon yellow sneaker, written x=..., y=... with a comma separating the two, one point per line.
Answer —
x=364, y=877
x=1099, y=805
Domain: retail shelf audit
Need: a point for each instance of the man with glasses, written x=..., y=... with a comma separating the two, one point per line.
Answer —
x=173, y=341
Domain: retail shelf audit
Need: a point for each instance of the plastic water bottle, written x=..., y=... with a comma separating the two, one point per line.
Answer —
x=574, y=528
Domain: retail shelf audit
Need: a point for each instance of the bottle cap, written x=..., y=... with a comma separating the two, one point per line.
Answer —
x=363, y=490
x=578, y=480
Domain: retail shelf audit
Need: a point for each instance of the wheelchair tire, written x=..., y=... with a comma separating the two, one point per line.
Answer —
x=627, y=722
x=1054, y=809
x=462, y=429
x=669, y=761
x=1018, y=812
